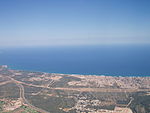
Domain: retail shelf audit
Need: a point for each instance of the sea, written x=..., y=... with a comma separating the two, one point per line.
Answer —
x=121, y=60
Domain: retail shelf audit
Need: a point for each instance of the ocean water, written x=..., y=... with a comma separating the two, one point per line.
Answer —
x=88, y=60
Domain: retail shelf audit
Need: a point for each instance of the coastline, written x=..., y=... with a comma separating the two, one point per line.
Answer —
x=76, y=74
x=84, y=88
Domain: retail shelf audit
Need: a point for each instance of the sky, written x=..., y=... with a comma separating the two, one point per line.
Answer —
x=74, y=22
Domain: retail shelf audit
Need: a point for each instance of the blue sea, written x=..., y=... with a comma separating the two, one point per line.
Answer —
x=88, y=60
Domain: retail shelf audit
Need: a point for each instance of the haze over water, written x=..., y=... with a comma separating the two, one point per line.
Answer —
x=99, y=60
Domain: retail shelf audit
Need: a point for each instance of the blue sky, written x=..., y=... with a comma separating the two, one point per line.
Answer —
x=74, y=22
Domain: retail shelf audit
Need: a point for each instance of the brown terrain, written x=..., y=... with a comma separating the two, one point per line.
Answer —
x=74, y=93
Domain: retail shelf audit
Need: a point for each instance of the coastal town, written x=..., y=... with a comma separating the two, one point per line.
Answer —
x=39, y=92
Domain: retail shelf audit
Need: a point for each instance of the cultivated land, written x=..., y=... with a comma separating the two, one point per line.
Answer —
x=38, y=92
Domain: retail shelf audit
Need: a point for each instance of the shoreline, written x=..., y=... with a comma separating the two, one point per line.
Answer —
x=12, y=68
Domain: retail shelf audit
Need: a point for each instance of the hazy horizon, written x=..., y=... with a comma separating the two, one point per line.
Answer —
x=38, y=23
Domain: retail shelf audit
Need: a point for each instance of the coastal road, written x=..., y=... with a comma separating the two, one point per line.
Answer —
x=80, y=89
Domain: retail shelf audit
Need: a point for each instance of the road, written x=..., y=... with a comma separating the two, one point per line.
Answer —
x=24, y=100
x=45, y=87
x=49, y=86
x=6, y=82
